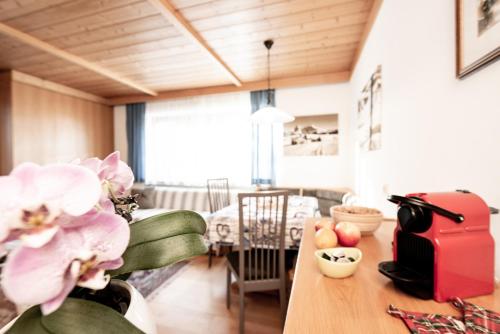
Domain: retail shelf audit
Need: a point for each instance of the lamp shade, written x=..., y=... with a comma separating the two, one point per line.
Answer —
x=270, y=115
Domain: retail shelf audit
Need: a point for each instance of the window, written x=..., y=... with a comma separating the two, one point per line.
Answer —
x=191, y=140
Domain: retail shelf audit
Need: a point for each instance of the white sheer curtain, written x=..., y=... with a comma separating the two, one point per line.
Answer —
x=193, y=139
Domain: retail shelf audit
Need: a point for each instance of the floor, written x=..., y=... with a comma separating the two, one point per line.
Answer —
x=194, y=301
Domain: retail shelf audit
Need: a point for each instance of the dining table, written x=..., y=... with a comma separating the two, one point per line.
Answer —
x=223, y=225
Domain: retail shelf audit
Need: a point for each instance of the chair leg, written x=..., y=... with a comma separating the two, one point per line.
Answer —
x=283, y=301
x=228, y=289
x=242, y=309
x=210, y=248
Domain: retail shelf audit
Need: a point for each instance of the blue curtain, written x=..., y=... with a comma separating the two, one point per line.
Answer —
x=263, y=151
x=136, y=113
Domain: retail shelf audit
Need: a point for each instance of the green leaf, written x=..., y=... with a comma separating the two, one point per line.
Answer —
x=162, y=240
x=75, y=316
x=166, y=225
x=29, y=322
x=161, y=253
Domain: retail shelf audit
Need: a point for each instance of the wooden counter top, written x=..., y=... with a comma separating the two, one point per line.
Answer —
x=357, y=304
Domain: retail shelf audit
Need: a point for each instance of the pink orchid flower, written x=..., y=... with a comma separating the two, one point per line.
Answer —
x=115, y=175
x=76, y=256
x=38, y=200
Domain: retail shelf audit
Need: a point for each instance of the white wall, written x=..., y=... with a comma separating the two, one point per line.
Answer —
x=120, y=123
x=438, y=133
x=322, y=171
x=318, y=171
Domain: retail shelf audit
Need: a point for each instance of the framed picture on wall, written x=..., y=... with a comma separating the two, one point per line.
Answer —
x=312, y=135
x=478, y=34
x=369, y=120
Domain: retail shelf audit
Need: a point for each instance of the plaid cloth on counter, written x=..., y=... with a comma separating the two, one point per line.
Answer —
x=476, y=319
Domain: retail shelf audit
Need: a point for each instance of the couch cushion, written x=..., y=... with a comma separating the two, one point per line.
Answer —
x=178, y=198
x=327, y=199
x=146, y=199
x=146, y=213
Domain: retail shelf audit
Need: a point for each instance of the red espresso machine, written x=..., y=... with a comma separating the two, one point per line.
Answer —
x=442, y=246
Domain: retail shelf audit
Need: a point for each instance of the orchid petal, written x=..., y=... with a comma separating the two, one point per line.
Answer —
x=109, y=166
x=117, y=173
x=74, y=188
x=13, y=187
x=38, y=238
x=110, y=265
x=26, y=173
x=36, y=275
x=124, y=177
x=70, y=280
x=107, y=206
x=94, y=164
x=111, y=161
x=94, y=279
x=67, y=221
x=107, y=236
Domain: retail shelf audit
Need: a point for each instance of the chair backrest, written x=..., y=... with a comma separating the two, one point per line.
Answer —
x=218, y=194
x=262, y=226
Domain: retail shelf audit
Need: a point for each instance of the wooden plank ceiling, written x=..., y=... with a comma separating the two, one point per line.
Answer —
x=202, y=43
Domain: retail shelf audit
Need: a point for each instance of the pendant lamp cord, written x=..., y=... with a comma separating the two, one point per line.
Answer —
x=268, y=77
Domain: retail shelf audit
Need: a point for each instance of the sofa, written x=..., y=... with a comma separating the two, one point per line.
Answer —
x=326, y=197
x=158, y=199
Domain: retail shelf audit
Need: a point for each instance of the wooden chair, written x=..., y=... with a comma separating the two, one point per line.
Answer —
x=218, y=198
x=218, y=194
x=259, y=263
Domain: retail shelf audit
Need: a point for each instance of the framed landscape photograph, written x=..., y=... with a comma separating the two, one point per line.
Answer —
x=312, y=135
x=369, y=122
x=478, y=34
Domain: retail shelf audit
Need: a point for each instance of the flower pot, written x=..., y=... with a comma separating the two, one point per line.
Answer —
x=137, y=312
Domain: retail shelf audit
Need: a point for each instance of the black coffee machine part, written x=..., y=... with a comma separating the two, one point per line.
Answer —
x=415, y=215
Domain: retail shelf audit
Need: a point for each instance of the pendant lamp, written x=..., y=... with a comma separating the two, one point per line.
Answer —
x=270, y=114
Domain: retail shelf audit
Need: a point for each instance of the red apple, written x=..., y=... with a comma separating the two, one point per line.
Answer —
x=348, y=234
x=323, y=223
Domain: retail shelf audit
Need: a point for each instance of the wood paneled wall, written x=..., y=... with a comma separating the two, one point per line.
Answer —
x=48, y=126
x=5, y=122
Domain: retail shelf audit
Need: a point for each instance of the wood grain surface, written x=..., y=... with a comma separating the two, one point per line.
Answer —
x=53, y=127
x=356, y=304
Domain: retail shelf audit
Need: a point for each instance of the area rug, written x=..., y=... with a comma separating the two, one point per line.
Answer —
x=147, y=281
x=7, y=310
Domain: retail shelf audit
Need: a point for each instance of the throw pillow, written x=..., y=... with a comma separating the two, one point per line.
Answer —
x=146, y=198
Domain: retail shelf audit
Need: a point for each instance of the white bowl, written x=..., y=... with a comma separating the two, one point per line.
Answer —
x=367, y=219
x=336, y=269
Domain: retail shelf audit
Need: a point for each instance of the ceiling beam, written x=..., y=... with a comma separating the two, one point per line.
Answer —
x=184, y=26
x=308, y=80
x=62, y=54
x=366, y=31
x=55, y=87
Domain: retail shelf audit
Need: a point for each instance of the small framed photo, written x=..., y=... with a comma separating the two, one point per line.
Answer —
x=478, y=34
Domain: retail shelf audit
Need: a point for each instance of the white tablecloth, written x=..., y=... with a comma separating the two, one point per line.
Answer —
x=223, y=225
